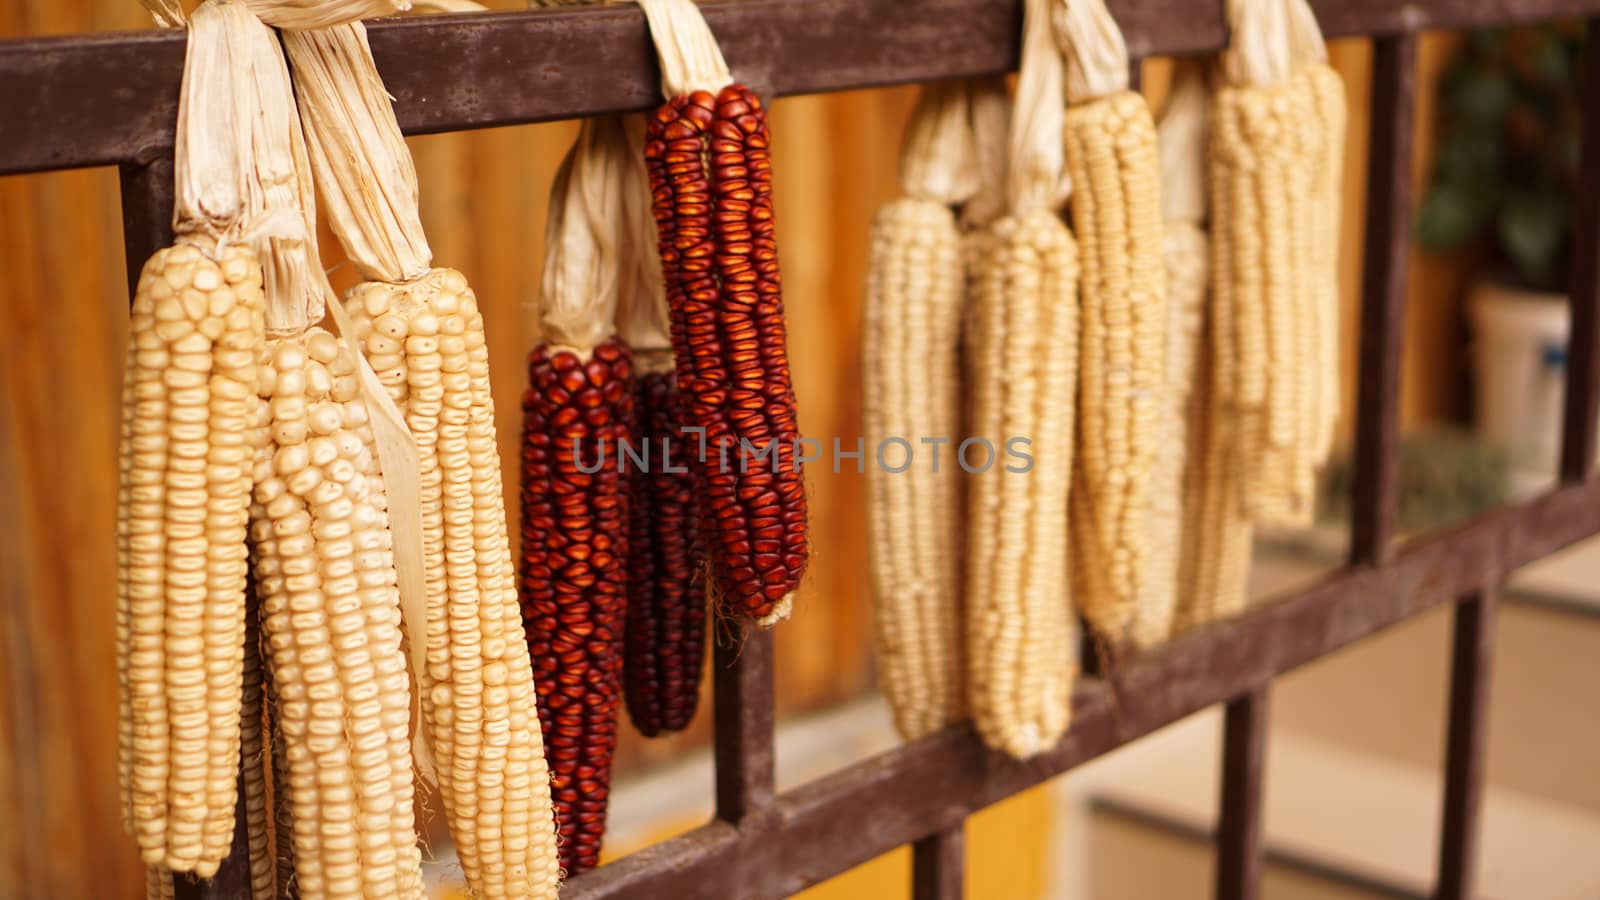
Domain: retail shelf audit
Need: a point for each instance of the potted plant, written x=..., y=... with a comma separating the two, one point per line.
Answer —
x=1501, y=188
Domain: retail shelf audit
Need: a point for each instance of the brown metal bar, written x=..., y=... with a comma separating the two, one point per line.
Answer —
x=1583, y=356
x=1244, y=744
x=830, y=825
x=107, y=99
x=938, y=862
x=742, y=686
x=1383, y=298
x=1466, y=747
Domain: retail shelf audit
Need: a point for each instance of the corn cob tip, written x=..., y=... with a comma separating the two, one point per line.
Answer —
x=780, y=612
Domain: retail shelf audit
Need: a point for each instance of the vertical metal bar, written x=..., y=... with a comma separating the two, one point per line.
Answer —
x=1583, y=354
x=1383, y=296
x=146, y=213
x=1466, y=746
x=743, y=692
x=1239, y=854
x=937, y=864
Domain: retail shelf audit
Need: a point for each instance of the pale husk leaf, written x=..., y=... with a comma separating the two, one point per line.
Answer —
x=307, y=14
x=1036, y=159
x=690, y=58
x=938, y=159
x=991, y=127
x=582, y=264
x=1096, y=53
x=642, y=316
x=358, y=153
x=1259, y=52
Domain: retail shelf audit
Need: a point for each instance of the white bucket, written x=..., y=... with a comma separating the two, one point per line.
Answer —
x=1520, y=362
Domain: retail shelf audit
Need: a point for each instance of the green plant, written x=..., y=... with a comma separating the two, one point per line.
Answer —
x=1447, y=475
x=1507, y=162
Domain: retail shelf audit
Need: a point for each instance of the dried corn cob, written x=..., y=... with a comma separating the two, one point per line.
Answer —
x=1276, y=143
x=666, y=614
x=911, y=349
x=1182, y=146
x=197, y=324
x=197, y=321
x=420, y=329
x=282, y=812
x=577, y=414
x=707, y=152
x=331, y=620
x=574, y=576
x=665, y=641
x=1116, y=214
x=1022, y=345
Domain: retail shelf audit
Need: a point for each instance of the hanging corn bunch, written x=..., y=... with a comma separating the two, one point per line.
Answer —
x=1116, y=214
x=707, y=151
x=421, y=330
x=578, y=410
x=1277, y=137
x=1181, y=138
x=184, y=495
x=1022, y=339
x=665, y=644
x=911, y=349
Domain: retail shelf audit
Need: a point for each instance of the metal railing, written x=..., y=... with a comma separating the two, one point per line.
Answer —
x=112, y=99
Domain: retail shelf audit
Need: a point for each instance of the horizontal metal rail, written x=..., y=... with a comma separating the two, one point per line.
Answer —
x=904, y=795
x=109, y=99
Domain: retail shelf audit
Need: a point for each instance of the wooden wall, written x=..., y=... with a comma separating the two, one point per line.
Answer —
x=62, y=326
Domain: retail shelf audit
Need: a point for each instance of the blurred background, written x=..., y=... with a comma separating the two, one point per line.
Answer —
x=1357, y=739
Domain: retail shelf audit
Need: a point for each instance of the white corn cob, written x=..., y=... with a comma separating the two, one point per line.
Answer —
x=331, y=620
x=1022, y=359
x=185, y=485
x=425, y=340
x=911, y=349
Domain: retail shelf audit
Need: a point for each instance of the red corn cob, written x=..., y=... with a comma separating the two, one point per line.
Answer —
x=666, y=601
x=711, y=176
x=574, y=576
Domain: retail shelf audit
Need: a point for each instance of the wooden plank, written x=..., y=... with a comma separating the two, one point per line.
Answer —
x=742, y=676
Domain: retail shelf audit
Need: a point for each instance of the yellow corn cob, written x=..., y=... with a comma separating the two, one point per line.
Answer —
x=1274, y=257
x=425, y=340
x=331, y=620
x=253, y=756
x=185, y=485
x=1116, y=213
x=1022, y=639
x=911, y=344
